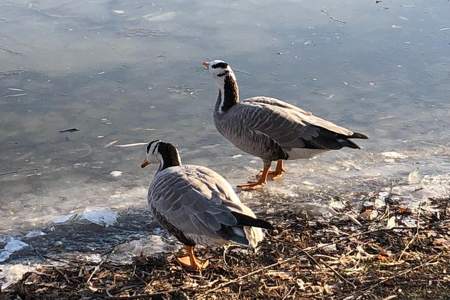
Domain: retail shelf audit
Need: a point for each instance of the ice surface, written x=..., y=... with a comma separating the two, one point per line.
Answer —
x=148, y=246
x=75, y=169
x=63, y=219
x=414, y=177
x=116, y=173
x=393, y=154
x=11, y=273
x=161, y=17
x=12, y=245
x=103, y=216
x=34, y=233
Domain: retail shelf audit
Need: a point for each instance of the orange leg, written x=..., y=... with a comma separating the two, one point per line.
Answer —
x=277, y=174
x=262, y=180
x=190, y=261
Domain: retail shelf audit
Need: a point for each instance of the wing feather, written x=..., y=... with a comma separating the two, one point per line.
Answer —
x=291, y=126
x=197, y=201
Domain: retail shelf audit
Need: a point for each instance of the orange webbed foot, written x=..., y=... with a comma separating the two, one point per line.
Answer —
x=190, y=262
x=193, y=264
x=250, y=186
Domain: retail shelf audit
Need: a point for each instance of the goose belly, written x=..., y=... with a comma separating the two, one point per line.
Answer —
x=303, y=153
x=239, y=136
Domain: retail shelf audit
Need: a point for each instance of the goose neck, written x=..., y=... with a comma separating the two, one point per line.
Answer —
x=228, y=93
x=169, y=158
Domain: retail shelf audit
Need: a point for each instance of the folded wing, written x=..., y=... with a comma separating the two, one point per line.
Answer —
x=293, y=127
x=202, y=205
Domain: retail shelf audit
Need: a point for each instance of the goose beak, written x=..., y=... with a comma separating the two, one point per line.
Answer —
x=205, y=65
x=145, y=163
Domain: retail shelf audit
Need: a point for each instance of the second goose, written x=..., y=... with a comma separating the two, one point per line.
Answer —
x=270, y=128
x=197, y=205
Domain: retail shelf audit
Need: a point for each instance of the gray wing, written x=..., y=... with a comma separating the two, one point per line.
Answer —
x=291, y=126
x=199, y=203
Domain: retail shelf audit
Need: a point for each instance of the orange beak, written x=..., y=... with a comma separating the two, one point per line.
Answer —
x=205, y=65
x=145, y=163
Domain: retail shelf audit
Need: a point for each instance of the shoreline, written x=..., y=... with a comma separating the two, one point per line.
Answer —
x=382, y=250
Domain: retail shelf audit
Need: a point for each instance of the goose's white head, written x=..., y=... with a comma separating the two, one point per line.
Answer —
x=163, y=153
x=219, y=70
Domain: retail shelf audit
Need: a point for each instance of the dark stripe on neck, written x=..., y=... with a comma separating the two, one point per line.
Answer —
x=223, y=74
x=231, y=93
x=169, y=155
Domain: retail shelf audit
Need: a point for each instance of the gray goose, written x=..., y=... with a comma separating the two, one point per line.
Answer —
x=271, y=129
x=197, y=205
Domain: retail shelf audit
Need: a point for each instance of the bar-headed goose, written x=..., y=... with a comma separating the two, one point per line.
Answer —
x=197, y=205
x=270, y=128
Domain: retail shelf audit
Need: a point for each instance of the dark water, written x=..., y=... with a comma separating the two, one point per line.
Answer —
x=129, y=71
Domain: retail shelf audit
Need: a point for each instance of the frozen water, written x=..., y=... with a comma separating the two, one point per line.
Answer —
x=100, y=216
x=149, y=246
x=141, y=80
x=63, y=219
x=393, y=154
x=12, y=245
x=116, y=173
x=11, y=273
x=35, y=233
x=97, y=215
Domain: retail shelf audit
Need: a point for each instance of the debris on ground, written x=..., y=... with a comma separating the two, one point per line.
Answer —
x=375, y=251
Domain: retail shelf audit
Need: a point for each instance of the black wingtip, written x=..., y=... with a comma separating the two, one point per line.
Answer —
x=245, y=220
x=357, y=135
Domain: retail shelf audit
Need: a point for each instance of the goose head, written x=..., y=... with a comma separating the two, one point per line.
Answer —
x=163, y=153
x=219, y=70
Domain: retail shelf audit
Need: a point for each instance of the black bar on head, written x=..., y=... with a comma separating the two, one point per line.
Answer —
x=222, y=65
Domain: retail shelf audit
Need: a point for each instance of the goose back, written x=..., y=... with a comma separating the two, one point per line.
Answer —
x=279, y=125
x=199, y=206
